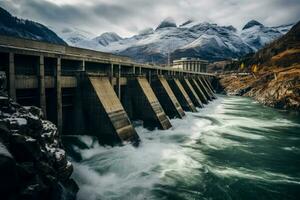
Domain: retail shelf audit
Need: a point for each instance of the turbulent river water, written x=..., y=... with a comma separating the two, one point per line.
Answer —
x=234, y=148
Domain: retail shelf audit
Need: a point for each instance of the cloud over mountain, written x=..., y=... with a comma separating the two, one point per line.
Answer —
x=128, y=17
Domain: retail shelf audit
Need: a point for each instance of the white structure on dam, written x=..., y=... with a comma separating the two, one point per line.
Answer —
x=191, y=64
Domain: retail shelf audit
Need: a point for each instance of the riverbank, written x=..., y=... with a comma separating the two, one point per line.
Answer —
x=274, y=87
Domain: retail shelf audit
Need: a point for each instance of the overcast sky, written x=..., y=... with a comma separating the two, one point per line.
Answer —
x=128, y=17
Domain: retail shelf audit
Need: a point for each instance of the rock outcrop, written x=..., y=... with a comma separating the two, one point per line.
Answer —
x=278, y=88
x=33, y=164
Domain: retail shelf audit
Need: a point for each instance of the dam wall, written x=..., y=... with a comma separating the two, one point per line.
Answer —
x=100, y=94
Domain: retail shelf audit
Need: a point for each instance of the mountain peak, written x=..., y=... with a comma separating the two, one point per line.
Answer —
x=168, y=22
x=107, y=38
x=110, y=34
x=251, y=24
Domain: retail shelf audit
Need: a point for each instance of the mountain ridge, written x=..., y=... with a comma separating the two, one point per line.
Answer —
x=205, y=40
x=13, y=26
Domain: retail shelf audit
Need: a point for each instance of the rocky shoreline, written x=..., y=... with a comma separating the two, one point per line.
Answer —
x=278, y=87
x=33, y=163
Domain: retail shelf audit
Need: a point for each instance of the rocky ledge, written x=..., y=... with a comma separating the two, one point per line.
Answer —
x=278, y=87
x=33, y=164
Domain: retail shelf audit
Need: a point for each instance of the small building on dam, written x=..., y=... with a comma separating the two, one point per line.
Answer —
x=190, y=64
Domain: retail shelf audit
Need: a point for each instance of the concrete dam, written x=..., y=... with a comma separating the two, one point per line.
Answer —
x=89, y=92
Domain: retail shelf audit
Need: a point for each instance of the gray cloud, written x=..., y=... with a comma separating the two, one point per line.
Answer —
x=127, y=17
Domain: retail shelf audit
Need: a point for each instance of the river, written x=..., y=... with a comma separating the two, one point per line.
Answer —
x=234, y=148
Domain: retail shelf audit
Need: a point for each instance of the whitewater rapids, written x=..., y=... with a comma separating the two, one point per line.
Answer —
x=234, y=148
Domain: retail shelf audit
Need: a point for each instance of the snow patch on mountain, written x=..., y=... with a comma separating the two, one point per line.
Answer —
x=204, y=40
x=257, y=35
x=74, y=36
x=146, y=31
x=106, y=38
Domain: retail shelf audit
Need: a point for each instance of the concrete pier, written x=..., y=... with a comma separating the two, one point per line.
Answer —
x=181, y=95
x=198, y=90
x=210, y=91
x=167, y=98
x=107, y=118
x=145, y=105
x=119, y=82
x=59, y=117
x=204, y=88
x=191, y=92
x=41, y=78
x=12, y=78
x=210, y=85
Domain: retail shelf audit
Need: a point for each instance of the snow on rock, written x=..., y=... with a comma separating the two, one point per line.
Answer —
x=284, y=28
x=107, y=38
x=21, y=121
x=204, y=40
x=146, y=31
x=4, y=151
x=28, y=140
x=74, y=36
x=257, y=35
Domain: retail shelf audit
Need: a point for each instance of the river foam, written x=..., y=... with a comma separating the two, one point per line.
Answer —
x=230, y=140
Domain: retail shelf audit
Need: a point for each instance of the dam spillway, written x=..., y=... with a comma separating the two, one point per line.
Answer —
x=99, y=94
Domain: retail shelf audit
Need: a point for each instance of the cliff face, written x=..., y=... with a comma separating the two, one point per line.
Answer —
x=33, y=164
x=274, y=77
x=278, y=88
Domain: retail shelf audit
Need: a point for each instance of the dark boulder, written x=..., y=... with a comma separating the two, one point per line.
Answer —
x=33, y=163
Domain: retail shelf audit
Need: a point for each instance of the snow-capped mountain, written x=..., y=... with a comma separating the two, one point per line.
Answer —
x=257, y=35
x=13, y=26
x=106, y=38
x=213, y=42
x=73, y=35
x=190, y=39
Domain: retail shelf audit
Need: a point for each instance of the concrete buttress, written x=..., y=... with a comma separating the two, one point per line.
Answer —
x=167, y=98
x=181, y=95
x=145, y=105
x=106, y=116
x=198, y=90
x=204, y=88
x=191, y=92
x=210, y=90
x=12, y=77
